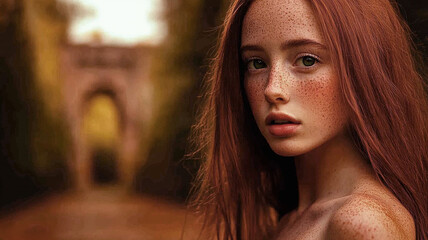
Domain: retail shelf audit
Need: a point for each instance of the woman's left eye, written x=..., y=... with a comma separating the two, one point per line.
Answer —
x=307, y=61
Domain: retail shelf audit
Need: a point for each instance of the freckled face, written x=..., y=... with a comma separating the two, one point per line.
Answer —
x=289, y=71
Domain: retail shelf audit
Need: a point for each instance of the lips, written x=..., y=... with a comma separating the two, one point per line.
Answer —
x=281, y=124
x=280, y=118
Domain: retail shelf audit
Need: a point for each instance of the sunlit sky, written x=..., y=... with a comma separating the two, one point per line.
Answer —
x=119, y=21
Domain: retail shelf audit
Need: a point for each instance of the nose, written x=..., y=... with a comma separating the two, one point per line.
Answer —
x=276, y=91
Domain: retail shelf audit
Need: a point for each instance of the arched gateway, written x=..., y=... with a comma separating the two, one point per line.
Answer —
x=121, y=73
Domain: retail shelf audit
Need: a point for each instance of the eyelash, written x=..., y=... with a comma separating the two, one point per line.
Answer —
x=299, y=57
x=316, y=58
x=247, y=63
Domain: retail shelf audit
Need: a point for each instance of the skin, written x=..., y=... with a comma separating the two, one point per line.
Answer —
x=289, y=71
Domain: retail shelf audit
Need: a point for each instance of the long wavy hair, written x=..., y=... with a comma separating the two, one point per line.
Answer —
x=243, y=188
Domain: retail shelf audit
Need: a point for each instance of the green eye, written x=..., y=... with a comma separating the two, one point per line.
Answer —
x=308, y=61
x=256, y=64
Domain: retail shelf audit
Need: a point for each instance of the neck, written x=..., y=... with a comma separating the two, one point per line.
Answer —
x=329, y=172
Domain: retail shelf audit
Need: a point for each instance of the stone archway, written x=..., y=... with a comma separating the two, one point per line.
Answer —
x=90, y=151
x=121, y=73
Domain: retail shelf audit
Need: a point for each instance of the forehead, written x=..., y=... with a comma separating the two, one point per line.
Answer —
x=276, y=20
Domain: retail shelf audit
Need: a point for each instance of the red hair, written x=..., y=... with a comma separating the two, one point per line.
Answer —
x=241, y=183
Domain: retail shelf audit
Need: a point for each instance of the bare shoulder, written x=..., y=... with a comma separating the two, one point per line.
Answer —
x=371, y=216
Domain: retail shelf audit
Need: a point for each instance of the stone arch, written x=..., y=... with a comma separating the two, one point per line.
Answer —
x=91, y=151
x=105, y=89
x=91, y=70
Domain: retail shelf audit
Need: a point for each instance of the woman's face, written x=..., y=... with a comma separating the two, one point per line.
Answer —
x=290, y=82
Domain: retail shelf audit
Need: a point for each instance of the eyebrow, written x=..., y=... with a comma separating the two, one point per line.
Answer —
x=293, y=43
x=301, y=42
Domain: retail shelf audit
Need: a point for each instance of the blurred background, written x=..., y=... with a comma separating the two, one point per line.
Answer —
x=97, y=101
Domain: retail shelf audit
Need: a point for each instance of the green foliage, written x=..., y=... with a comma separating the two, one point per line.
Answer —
x=50, y=143
x=16, y=109
x=179, y=67
x=33, y=140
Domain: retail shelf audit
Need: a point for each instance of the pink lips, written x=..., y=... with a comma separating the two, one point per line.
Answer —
x=281, y=124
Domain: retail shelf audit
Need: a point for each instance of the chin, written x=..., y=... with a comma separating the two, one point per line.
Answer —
x=287, y=147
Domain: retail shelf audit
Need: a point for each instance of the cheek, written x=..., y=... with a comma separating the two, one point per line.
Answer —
x=323, y=101
x=255, y=95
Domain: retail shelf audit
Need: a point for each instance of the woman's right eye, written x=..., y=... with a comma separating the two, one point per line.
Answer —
x=255, y=64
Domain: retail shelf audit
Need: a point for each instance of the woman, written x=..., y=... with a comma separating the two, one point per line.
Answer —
x=315, y=125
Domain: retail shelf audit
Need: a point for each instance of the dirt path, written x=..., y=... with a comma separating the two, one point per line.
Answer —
x=102, y=214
